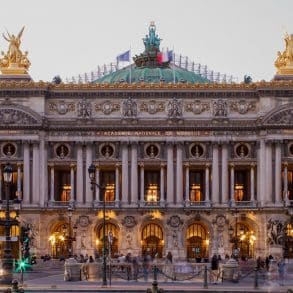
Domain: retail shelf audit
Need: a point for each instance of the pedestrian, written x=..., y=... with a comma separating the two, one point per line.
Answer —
x=145, y=267
x=281, y=271
x=169, y=266
x=215, y=268
x=91, y=259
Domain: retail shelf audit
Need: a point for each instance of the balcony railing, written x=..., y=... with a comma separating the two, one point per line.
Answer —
x=197, y=204
x=99, y=204
x=58, y=204
x=243, y=203
x=152, y=204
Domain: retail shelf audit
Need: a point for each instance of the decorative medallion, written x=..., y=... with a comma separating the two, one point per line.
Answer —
x=83, y=221
x=242, y=150
x=174, y=221
x=220, y=220
x=197, y=107
x=152, y=151
x=62, y=151
x=220, y=108
x=107, y=107
x=9, y=149
x=152, y=107
x=129, y=108
x=129, y=221
x=174, y=108
x=196, y=150
x=107, y=150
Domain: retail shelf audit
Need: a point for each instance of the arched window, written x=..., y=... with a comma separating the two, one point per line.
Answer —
x=110, y=228
x=197, y=242
x=152, y=240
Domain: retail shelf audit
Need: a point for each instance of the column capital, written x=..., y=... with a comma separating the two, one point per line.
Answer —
x=285, y=164
x=186, y=164
x=19, y=164
x=232, y=165
x=51, y=164
x=252, y=165
x=72, y=165
x=162, y=165
x=141, y=164
x=118, y=165
x=207, y=165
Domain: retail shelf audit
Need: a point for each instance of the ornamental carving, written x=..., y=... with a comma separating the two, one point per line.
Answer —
x=17, y=117
x=174, y=221
x=84, y=221
x=152, y=107
x=283, y=117
x=107, y=107
x=197, y=107
x=275, y=232
x=242, y=107
x=174, y=108
x=129, y=221
x=129, y=108
x=84, y=109
x=220, y=108
x=61, y=107
x=9, y=149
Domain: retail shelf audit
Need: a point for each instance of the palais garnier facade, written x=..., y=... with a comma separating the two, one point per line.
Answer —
x=186, y=163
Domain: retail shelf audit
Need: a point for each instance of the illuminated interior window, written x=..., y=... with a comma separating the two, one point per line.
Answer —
x=110, y=192
x=65, y=193
x=108, y=180
x=152, y=193
x=239, y=192
x=242, y=185
x=152, y=186
x=196, y=184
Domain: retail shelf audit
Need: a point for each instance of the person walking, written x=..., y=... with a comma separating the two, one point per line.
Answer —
x=215, y=268
x=281, y=271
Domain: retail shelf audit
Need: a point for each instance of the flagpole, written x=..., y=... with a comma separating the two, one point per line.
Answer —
x=130, y=64
x=173, y=66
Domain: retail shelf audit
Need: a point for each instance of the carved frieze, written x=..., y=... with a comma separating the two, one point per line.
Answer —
x=174, y=108
x=84, y=109
x=129, y=108
x=16, y=117
x=107, y=107
x=284, y=117
x=197, y=107
x=61, y=107
x=220, y=108
x=242, y=106
x=152, y=107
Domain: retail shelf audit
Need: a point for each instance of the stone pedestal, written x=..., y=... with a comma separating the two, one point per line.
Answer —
x=93, y=270
x=230, y=270
x=276, y=251
x=72, y=270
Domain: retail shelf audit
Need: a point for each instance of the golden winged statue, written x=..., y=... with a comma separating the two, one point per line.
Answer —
x=284, y=62
x=14, y=61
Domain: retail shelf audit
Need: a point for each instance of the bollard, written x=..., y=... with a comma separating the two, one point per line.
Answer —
x=155, y=288
x=205, y=278
x=255, y=278
x=14, y=288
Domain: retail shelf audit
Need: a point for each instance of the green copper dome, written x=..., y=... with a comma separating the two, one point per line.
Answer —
x=152, y=66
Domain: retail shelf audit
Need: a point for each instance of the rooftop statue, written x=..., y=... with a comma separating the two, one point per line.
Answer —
x=284, y=62
x=152, y=41
x=14, y=61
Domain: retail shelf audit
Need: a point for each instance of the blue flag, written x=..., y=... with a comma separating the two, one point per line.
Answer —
x=124, y=56
x=170, y=55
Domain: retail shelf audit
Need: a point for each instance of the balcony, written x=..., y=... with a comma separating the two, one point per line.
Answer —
x=109, y=204
x=197, y=204
x=243, y=204
x=152, y=204
x=59, y=204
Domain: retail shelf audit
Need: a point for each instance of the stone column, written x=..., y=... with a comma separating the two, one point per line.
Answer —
x=215, y=175
x=285, y=182
x=261, y=165
x=268, y=174
x=179, y=176
x=187, y=192
x=19, y=191
x=162, y=183
x=1, y=182
x=43, y=165
x=98, y=191
x=207, y=182
x=79, y=175
x=26, y=173
x=278, y=173
x=36, y=173
x=252, y=195
x=125, y=181
x=117, y=183
x=225, y=181
x=134, y=175
x=72, y=183
x=142, y=182
x=232, y=183
x=170, y=175
x=52, y=183
x=89, y=159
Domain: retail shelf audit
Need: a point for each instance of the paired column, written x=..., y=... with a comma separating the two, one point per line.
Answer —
x=88, y=160
x=134, y=175
x=252, y=195
x=142, y=182
x=72, y=183
x=19, y=192
x=261, y=172
x=278, y=173
x=268, y=173
x=286, y=181
x=187, y=191
x=207, y=182
x=125, y=182
x=52, y=183
x=170, y=175
x=26, y=173
x=225, y=181
x=179, y=176
x=117, y=183
x=162, y=183
x=215, y=175
x=36, y=174
x=43, y=171
x=232, y=182
x=1, y=195
x=79, y=175
x=98, y=191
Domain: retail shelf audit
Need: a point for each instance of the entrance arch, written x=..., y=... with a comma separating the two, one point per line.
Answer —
x=59, y=245
x=109, y=228
x=197, y=242
x=152, y=240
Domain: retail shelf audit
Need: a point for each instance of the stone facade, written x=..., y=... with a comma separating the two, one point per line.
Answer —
x=182, y=165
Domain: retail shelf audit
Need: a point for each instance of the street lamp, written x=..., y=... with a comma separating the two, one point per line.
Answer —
x=7, y=222
x=234, y=238
x=71, y=236
x=92, y=176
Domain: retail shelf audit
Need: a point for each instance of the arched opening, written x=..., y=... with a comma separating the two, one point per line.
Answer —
x=111, y=233
x=288, y=247
x=197, y=242
x=14, y=233
x=59, y=245
x=152, y=240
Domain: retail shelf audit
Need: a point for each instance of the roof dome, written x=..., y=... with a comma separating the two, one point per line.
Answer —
x=152, y=66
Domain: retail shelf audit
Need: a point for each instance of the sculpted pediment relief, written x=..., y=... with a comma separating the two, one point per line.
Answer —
x=283, y=116
x=18, y=115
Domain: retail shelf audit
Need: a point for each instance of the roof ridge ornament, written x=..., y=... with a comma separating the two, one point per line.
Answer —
x=14, y=62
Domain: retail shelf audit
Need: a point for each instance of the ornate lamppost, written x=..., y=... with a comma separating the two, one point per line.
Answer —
x=234, y=237
x=92, y=176
x=7, y=222
x=71, y=236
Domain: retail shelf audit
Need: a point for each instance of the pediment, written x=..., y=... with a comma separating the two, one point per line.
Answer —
x=280, y=116
x=18, y=115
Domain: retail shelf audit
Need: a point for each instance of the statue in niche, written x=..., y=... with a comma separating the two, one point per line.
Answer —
x=129, y=108
x=220, y=108
x=275, y=232
x=174, y=108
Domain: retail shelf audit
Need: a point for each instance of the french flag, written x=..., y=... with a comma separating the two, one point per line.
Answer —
x=165, y=56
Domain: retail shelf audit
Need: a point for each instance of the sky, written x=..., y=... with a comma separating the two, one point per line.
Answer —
x=71, y=37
